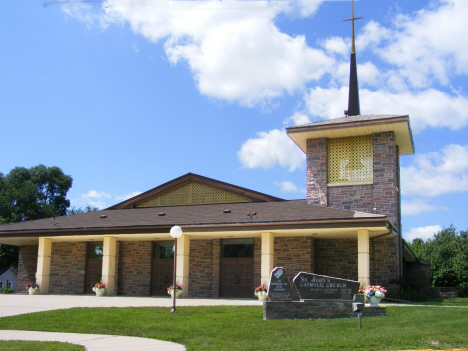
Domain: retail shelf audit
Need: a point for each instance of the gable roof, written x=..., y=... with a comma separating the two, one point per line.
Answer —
x=356, y=126
x=3, y=270
x=242, y=194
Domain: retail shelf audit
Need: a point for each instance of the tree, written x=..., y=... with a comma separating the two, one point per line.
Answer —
x=88, y=208
x=448, y=253
x=38, y=192
x=27, y=194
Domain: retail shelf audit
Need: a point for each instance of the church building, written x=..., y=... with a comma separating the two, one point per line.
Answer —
x=349, y=225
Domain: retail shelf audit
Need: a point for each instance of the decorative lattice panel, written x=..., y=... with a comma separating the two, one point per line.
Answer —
x=350, y=159
x=193, y=194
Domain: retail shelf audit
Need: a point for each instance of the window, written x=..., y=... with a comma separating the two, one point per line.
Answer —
x=243, y=248
x=350, y=160
x=163, y=249
x=95, y=250
x=1, y=285
x=8, y=284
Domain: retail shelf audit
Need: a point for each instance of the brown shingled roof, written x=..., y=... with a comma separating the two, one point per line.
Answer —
x=139, y=219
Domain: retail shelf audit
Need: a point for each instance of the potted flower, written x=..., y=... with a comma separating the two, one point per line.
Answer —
x=374, y=293
x=178, y=290
x=99, y=288
x=33, y=288
x=359, y=297
x=261, y=292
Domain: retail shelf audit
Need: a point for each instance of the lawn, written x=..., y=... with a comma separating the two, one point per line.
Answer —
x=243, y=328
x=15, y=345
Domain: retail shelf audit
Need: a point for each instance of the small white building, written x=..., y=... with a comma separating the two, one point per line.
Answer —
x=8, y=277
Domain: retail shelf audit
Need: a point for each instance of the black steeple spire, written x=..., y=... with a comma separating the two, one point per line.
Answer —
x=353, y=100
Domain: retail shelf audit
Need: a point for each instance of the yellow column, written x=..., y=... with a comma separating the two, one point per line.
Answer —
x=108, y=263
x=363, y=257
x=268, y=257
x=182, y=269
x=43, y=264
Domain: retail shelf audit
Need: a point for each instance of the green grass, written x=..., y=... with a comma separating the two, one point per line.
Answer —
x=460, y=302
x=243, y=328
x=16, y=345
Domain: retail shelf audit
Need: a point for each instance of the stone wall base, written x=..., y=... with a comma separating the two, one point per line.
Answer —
x=314, y=309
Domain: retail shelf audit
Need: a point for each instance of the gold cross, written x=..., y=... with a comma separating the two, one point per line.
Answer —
x=353, y=51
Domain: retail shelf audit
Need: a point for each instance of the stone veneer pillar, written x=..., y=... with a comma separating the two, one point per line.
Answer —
x=182, y=269
x=268, y=257
x=108, y=263
x=363, y=257
x=317, y=171
x=43, y=264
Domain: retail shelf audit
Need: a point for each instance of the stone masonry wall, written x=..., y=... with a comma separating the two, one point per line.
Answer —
x=67, y=268
x=134, y=268
x=258, y=262
x=295, y=254
x=336, y=258
x=202, y=263
x=317, y=171
x=383, y=193
x=383, y=261
x=27, y=267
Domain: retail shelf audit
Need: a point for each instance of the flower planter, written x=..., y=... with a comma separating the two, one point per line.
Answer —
x=33, y=291
x=100, y=292
x=262, y=297
x=374, y=301
x=178, y=293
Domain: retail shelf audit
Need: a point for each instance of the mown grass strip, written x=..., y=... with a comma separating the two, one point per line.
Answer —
x=243, y=328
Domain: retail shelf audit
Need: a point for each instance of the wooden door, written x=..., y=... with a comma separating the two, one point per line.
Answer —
x=93, y=273
x=162, y=275
x=237, y=277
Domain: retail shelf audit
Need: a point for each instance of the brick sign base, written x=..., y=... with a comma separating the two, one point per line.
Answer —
x=314, y=309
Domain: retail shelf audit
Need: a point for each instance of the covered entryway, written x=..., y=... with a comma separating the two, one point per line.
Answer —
x=237, y=268
x=93, y=265
x=162, y=267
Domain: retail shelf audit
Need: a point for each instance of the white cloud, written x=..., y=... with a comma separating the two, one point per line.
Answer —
x=437, y=173
x=296, y=119
x=233, y=48
x=426, y=46
x=422, y=232
x=290, y=187
x=430, y=108
x=128, y=196
x=99, y=204
x=271, y=148
x=94, y=194
x=417, y=206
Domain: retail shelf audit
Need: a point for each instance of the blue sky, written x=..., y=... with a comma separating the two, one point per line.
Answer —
x=125, y=95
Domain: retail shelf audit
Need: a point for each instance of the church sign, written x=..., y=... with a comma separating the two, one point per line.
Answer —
x=279, y=289
x=314, y=286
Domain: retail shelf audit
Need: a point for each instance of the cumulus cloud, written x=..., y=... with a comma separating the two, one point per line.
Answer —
x=417, y=206
x=271, y=148
x=422, y=232
x=289, y=187
x=437, y=173
x=429, y=108
x=426, y=46
x=96, y=195
x=297, y=119
x=128, y=196
x=225, y=42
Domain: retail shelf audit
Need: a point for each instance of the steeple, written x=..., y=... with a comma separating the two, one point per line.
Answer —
x=353, y=99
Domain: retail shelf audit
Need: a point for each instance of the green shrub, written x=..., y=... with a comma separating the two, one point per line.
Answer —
x=7, y=290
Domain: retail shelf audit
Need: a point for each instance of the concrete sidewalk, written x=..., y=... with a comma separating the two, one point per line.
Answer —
x=11, y=305
x=94, y=342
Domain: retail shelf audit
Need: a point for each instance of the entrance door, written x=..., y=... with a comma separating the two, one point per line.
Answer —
x=93, y=266
x=237, y=269
x=162, y=267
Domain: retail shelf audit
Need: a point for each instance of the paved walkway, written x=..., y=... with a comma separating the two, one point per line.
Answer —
x=11, y=305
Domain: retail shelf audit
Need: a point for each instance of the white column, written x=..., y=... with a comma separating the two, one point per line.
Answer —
x=363, y=257
x=182, y=270
x=108, y=263
x=43, y=264
x=268, y=257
